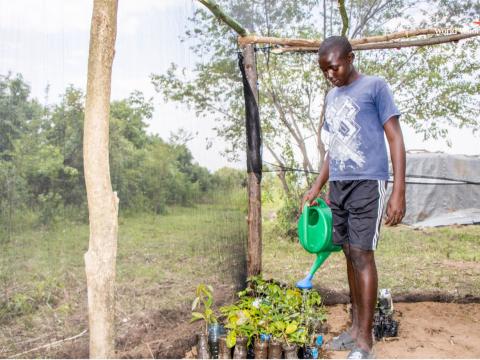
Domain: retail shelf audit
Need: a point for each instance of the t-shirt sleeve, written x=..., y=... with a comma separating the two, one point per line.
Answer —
x=385, y=103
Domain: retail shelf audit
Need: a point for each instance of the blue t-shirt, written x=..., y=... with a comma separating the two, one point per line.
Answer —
x=354, y=118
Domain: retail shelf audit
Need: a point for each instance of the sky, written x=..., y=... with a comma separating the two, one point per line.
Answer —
x=47, y=42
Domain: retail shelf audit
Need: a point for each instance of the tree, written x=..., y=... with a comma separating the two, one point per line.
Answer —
x=292, y=90
x=100, y=259
x=16, y=111
x=63, y=129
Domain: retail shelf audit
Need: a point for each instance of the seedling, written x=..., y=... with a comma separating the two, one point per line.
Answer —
x=203, y=301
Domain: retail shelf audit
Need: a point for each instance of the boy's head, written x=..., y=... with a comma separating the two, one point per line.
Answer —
x=335, y=58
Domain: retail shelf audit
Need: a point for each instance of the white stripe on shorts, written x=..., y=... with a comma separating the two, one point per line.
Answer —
x=382, y=191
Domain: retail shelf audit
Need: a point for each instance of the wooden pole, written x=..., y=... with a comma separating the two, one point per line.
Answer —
x=254, y=244
x=102, y=201
x=435, y=40
x=315, y=43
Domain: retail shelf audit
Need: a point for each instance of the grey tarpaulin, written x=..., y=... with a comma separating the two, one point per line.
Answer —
x=431, y=191
x=254, y=139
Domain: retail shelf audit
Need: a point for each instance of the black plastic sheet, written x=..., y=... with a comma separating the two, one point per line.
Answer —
x=252, y=123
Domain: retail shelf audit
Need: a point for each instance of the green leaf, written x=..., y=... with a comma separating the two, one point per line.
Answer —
x=231, y=339
x=195, y=303
x=280, y=325
x=291, y=328
x=197, y=316
x=208, y=312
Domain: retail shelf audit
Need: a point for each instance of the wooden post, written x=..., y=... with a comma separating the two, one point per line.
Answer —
x=102, y=201
x=254, y=247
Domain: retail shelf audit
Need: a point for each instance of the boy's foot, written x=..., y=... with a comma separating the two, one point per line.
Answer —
x=359, y=353
x=342, y=342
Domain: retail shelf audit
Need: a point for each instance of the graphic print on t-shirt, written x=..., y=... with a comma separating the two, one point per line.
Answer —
x=344, y=142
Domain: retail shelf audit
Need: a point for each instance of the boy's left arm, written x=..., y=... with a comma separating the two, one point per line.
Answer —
x=396, y=203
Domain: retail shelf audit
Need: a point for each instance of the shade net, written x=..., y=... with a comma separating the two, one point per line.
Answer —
x=182, y=217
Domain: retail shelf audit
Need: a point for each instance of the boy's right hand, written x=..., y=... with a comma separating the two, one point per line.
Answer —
x=309, y=197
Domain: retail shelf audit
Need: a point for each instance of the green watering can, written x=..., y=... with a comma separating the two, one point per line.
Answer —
x=315, y=233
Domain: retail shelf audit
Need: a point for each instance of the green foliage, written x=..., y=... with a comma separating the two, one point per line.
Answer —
x=46, y=292
x=16, y=112
x=204, y=301
x=265, y=307
x=433, y=86
x=228, y=178
x=41, y=159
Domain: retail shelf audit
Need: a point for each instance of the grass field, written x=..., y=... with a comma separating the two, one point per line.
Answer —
x=445, y=260
x=161, y=259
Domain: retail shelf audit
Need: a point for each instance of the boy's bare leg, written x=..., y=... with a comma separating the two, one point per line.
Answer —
x=353, y=292
x=366, y=283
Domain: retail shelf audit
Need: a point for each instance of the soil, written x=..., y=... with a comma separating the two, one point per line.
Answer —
x=427, y=330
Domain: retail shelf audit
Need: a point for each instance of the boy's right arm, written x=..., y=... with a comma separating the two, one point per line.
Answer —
x=321, y=180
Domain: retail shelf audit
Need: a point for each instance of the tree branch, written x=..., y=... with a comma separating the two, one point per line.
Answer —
x=281, y=174
x=315, y=43
x=221, y=15
x=369, y=14
x=281, y=112
x=53, y=344
x=320, y=144
x=386, y=45
x=343, y=14
x=307, y=165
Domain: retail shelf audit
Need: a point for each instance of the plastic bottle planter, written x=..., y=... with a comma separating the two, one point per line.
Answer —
x=224, y=352
x=261, y=349
x=214, y=333
x=315, y=234
x=290, y=351
x=274, y=350
x=240, y=351
x=202, y=347
x=310, y=352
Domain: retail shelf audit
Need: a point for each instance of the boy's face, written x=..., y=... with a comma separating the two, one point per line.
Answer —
x=336, y=67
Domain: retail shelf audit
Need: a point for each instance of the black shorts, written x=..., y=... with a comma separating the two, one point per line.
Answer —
x=357, y=209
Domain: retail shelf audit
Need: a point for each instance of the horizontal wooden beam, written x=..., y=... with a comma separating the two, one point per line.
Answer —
x=396, y=35
x=254, y=39
x=367, y=43
x=435, y=40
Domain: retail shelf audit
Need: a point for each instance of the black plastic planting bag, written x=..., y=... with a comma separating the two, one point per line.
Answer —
x=252, y=123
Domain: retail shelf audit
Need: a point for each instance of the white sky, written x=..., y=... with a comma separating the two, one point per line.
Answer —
x=47, y=41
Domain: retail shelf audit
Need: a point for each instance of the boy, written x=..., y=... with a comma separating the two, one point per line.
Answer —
x=359, y=111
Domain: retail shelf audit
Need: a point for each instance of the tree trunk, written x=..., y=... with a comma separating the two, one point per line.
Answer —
x=102, y=201
x=281, y=173
x=254, y=247
x=320, y=144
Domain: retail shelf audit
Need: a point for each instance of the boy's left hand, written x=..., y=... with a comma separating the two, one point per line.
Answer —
x=395, y=209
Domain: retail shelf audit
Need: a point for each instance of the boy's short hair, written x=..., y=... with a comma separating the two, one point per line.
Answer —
x=335, y=42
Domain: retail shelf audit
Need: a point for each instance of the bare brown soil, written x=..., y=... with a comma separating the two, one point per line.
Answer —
x=150, y=334
x=427, y=330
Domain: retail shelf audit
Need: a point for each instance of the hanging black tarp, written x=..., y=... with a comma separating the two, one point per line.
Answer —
x=252, y=124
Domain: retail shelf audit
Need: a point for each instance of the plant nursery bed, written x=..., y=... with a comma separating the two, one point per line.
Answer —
x=427, y=330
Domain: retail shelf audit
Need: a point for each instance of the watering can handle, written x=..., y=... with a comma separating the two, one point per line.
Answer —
x=305, y=220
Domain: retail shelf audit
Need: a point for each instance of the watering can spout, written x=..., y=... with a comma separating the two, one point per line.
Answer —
x=306, y=283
